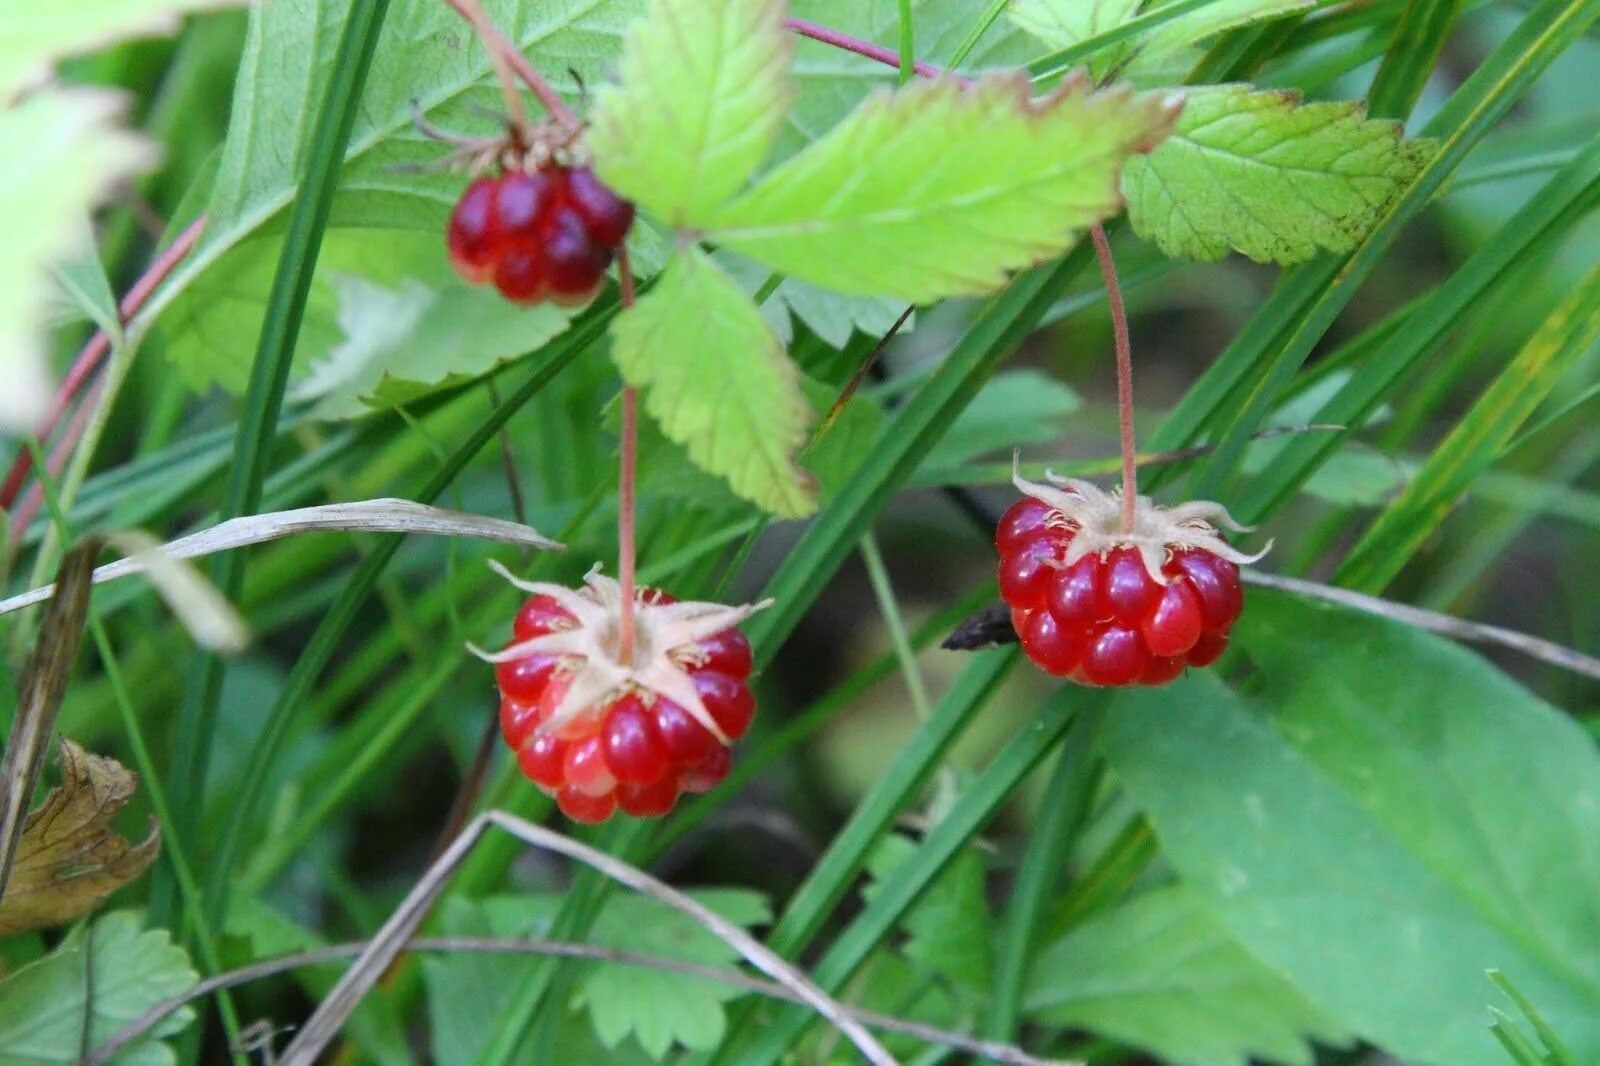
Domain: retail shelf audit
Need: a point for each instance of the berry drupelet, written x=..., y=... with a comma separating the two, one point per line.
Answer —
x=1104, y=606
x=541, y=234
x=601, y=735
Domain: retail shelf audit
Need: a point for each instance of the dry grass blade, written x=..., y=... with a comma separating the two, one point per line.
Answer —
x=993, y=1051
x=44, y=682
x=392, y=939
x=364, y=516
x=199, y=605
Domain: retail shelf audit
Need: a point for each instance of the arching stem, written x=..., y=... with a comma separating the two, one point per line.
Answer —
x=508, y=60
x=627, y=560
x=1119, y=328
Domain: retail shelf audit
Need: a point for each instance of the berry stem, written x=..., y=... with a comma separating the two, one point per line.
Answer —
x=1119, y=327
x=861, y=48
x=95, y=350
x=627, y=483
x=507, y=59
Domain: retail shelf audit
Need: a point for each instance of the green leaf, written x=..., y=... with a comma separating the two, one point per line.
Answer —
x=882, y=205
x=948, y=931
x=1064, y=23
x=703, y=90
x=1376, y=796
x=1161, y=973
x=43, y=1008
x=1263, y=174
x=717, y=381
x=34, y=36
x=1214, y=18
x=1015, y=408
x=65, y=153
x=657, y=1007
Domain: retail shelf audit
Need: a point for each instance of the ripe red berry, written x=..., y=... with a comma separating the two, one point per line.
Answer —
x=1105, y=606
x=602, y=735
x=542, y=234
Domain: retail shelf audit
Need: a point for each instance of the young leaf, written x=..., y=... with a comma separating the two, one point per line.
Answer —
x=71, y=856
x=1266, y=175
x=64, y=153
x=703, y=90
x=949, y=930
x=940, y=190
x=108, y=983
x=717, y=381
x=1161, y=973
x=662, y=1009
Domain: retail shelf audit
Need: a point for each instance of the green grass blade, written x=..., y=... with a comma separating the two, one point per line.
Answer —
x=1412, y=56
x=1065, y=807
x=269, y=375
x=1477, y=441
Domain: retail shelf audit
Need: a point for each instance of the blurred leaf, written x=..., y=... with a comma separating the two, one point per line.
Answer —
x=1064, y=23
x=71, y=856
x=1159, y=972
x=718, y=382
x=1214, y=18
x=702, y=91
x=923, y=222
x=1266, y=175
x=949, y=930
x=33, y=36
x=467, y=993
x=1016, y=407
x=82, y=279
x=659, y=1008
x=65, y=153
x=44, y=1005
x=1369, y=826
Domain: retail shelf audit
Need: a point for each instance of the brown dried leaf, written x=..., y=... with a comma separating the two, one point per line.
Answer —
x=71, y=856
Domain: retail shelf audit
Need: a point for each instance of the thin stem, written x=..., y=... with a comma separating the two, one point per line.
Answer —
x=497, y=46
x=627, y=556
x=858, y=46
x=95, y=350
x=502, y=50
x=56, y=463
x=1119, y=326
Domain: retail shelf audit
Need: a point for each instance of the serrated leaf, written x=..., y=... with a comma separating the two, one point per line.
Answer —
x=64, y=152
x=948, y=931
x=718, y=382
x=1374, y=794
x=702, y=91
x=70, y=856
x=43, y=1006
x=1264, y=174
x=661, y=1009
x=33, y=36
x=1159, y=972
x=938, y=190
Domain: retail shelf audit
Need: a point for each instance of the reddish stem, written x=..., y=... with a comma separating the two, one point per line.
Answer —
x=503, y=51
x=1119, y=328
x=627, y=559
x=88, y=360
x=55, y=464
x=858, y=46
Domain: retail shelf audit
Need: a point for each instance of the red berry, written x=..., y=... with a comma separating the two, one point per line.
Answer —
x=574, y=261
x=1026, y=574
x=521, y=276
x=708, y=774
x=607, y=214
x=1116, y=656
x=585, y=808
x=649, y=801
x=687, y=741
x=539, y=616
x=1024, y=521
x=728, y=653
x=1208, y=649
x=1077, y=595
x=522, y=203
x=634, y=751
x=525, y=679
x=543, y=759
x=1162, y=669
x=472, y=235
x=1174, y=625
x=1130, y=590
x=517, y=721
x=586, y=769
x=728, y=700
x=1216, y=582
x=1052, y=645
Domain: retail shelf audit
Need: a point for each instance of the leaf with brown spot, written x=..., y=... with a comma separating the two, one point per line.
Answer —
x=71, y=857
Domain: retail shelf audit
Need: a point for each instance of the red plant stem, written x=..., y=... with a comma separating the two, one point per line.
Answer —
x=627, y=558
x=95, y=350
x=55, y=464
x=858, y=46
x=497, y=47
x=1102, y=247
x=1119, y=327
x=503, y=51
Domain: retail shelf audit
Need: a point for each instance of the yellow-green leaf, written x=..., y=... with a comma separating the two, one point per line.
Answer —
x=71, y=857
x=942, y=190
x=717, y=381
x=703, y=90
